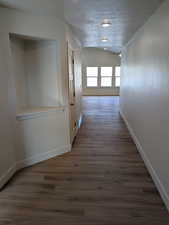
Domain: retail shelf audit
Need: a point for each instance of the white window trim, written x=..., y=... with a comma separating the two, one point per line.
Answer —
x=116, y=76
x=92, y=86
x=113, y=80
x=91, y=77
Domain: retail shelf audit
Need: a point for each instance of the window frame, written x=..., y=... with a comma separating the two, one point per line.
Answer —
x=106, y=77
x=117, y=76
x=99, y=77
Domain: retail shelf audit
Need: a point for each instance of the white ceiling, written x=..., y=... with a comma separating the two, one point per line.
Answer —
x=85, y=17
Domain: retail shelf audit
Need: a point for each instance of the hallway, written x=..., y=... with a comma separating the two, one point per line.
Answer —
x=103, y=181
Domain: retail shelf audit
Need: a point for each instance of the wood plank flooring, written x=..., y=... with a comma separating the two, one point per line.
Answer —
x=103, y=181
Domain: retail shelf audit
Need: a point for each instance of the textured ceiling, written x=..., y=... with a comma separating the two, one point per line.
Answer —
x=42, y=7
x=85, y=17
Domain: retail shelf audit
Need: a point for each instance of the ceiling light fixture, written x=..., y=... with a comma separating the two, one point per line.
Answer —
x=106, y=23
x=104, y=39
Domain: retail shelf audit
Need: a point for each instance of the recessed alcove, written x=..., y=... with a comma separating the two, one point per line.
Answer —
x=35, y=69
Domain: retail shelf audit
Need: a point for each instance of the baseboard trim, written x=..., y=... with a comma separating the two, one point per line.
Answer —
x=42, y=157
x=7, y=176
x=32, y=161
x=80, y=121
x=148, y=164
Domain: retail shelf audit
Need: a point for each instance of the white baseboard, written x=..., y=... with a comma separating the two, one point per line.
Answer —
x=42, y=156
x=7, y=175
x=80, y=120
x=148, y=164
x=31, y=161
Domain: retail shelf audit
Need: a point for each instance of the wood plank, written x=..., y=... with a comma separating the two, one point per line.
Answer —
x=103, y=181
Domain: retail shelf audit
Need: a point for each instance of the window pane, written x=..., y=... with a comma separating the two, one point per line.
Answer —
x=106, y=71
x=92, y=71
x=117, y=82
x=117, y=71
x=91, y=81
x=106, y=81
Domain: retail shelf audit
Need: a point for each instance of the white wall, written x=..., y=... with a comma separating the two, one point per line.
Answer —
x=39, y=135
x=35, y=70
x=45, y=27
x=7, y=112
x=145, y=95
x=42, y=135
x=98, y=57
x=18, y=71
x=41, y=70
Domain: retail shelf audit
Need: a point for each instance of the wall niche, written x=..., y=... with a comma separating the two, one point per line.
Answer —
x=35, y=68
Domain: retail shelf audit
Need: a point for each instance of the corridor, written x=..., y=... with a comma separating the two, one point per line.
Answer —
x=103, y=181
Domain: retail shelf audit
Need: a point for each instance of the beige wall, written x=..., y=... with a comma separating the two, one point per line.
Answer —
x=41, y=133
x=145, y=95
x=7, y=112
x=35, y=70
x=98, y=57
x=41, y=61
x=18, y=70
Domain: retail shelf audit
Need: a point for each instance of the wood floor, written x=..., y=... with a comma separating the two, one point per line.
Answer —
x=103, y=181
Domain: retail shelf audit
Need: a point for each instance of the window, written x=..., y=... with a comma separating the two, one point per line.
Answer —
x=92, y=76
x=106, y=76
x=103, y=77
x=117, y=76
